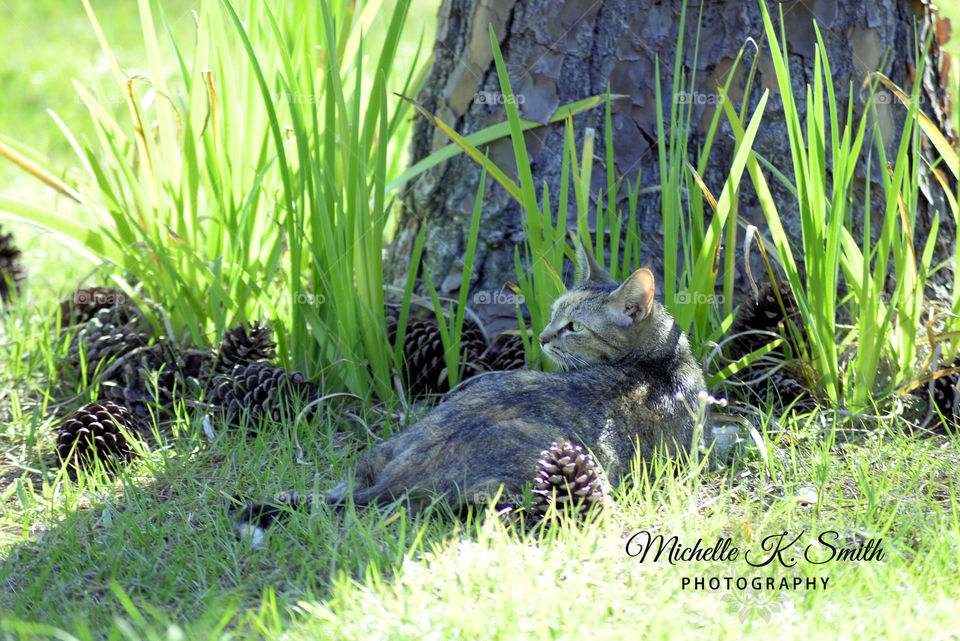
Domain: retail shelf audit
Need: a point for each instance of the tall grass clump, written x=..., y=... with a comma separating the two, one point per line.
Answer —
x=333, y=160
x=248, y=174
x=699, y=227
x=694, y=241
x=540, y=261
x=883, y=337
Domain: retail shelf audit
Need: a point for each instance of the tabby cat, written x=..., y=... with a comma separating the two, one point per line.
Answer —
x=630, y=382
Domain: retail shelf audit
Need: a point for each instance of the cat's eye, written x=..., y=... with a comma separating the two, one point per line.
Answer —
x=574, y=326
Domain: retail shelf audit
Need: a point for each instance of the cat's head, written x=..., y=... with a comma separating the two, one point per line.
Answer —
x=600, y=320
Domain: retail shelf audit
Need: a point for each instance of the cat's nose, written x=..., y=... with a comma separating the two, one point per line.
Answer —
x=542, y=339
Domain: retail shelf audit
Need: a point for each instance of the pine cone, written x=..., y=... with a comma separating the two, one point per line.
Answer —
x=108, y=335
x=263, y=390
x=473, y=343
x=507, y=353
x=568, y=477
x=946, y=397
x=95, y=432
x=84, y=303
x=12, y=272
x=762, y=313
x=156, y=376
x=244, y=344
x=425, y=371
x=391, y=316
x=789, y=391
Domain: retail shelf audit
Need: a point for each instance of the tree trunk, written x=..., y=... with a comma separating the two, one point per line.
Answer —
x=560, y=52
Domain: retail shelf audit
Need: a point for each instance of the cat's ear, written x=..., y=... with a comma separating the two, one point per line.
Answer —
x=589, y=269
x=634, y=298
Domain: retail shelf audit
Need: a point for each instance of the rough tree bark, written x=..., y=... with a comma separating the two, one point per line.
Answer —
x=559, y=52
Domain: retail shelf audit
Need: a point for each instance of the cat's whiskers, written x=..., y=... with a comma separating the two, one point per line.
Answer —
x=560, y=359
x=578, y=359
x=563, y=358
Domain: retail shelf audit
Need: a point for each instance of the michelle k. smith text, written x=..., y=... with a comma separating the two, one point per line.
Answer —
x=782, y=550
x=776, y=547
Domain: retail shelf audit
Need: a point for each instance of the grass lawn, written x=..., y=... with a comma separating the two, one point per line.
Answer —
x=860, y=521
x=153, y=552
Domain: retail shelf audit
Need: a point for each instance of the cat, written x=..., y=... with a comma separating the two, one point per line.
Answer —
x=629, y=381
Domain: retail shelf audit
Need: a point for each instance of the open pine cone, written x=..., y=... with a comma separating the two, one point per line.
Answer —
x=156, y=376
x=12, y=271
x=262, y=390
x=568, y=478
x=242, y=345
x=425, y=371
x=763, y=313
x=84, y=303
x=111, y=333
x=946, y=399
x=507, y=353
x=95, y=432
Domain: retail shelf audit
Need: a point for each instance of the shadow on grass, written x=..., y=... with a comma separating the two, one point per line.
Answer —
x=154, y=547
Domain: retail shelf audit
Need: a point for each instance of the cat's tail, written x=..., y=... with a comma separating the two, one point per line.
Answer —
x=337, y=495
x=253, y=519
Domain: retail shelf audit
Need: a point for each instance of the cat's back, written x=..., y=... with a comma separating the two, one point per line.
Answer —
x=580, y=404
x=534, y=397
